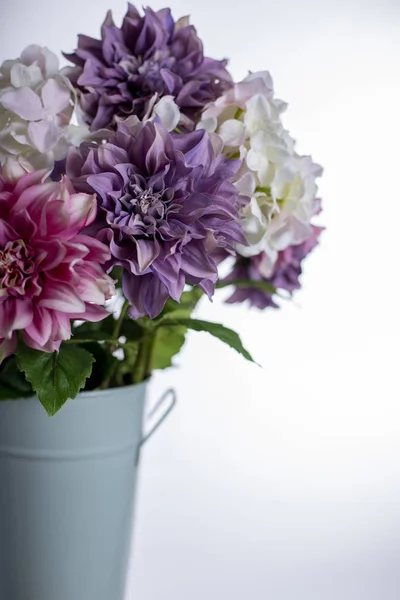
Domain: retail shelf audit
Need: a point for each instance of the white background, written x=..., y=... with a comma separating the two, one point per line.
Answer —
x=283, y=483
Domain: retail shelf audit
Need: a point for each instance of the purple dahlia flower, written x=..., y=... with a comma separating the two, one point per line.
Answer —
x=287, y=271
x=126, y=71
x=167, y=205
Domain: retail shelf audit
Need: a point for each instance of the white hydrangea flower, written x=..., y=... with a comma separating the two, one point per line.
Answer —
x=166, y=112
x=36, y=107
x=280, y=183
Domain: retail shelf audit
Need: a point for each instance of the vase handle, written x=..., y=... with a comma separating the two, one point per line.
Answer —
x=170, y=393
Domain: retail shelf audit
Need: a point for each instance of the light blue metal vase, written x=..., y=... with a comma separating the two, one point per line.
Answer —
x=67, y=489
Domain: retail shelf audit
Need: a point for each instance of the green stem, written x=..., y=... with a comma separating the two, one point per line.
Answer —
x=120, y=320
x=143, y=363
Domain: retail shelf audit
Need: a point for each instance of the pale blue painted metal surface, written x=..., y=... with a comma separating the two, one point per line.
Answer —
x=67, y=487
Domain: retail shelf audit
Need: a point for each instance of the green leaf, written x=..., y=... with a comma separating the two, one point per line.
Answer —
x=93, y=336
x=167, y=343
x=228, y=336
x=169, y=340
x=103, y=367
x=185, y=307
x=55, y=377
x=9, y=393
x=12, y=382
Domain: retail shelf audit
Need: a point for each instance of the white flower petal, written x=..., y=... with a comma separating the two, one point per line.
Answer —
x=282, y=181
x=14, y=139
x=23, y=102
x=44, y=135
x=217, y=143
x=210, y=124
x=246, y=185
x=56, y=97
x=294, y=232
x=39, y=160
x=31, y=54
x=279, y=105
x=258, y=113
x=51, y=63
x=15, y=167
x=268, y=263
x=5, y=71
x=277, y=154
x=232, y=132
x=256, y=161
x=265, y=76
x=167, y=112
x=22, y=75
x=43, y=57
x=281, y=184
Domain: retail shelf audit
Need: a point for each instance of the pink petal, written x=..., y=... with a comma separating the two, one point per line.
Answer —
x=15, y=314
x=62, y=297
x=61, y=327
x=94, y=285
x=30, y=179
x=55, y=96
x=82, y=211
x=22, y=222
x=91, y=291
x=23, y=102
x=34, y=200
x=98, y=252
x=57, y=219
x=49, y=346
x=7, y=233
x=39, y=331
x=52, y=253
x=92, y=313
x=75, y=251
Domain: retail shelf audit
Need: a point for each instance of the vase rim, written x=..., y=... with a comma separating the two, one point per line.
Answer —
x=86, y=395
x=93, y=393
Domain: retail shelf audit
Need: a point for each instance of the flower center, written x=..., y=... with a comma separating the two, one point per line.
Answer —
x=145, y=74
x=148, y=202
x=146, y=199
x=17, y=268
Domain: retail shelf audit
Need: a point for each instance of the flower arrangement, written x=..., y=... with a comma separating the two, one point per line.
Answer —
x=111, y=230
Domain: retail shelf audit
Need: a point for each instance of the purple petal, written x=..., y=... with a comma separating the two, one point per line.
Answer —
x=195, y=262
x=147, y=252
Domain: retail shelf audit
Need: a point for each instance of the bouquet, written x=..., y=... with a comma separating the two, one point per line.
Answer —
x=133, y=182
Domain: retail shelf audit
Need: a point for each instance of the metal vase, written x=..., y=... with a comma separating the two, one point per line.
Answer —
x=67, y=490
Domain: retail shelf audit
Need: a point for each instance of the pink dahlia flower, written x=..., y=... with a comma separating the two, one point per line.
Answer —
x=50, y=274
